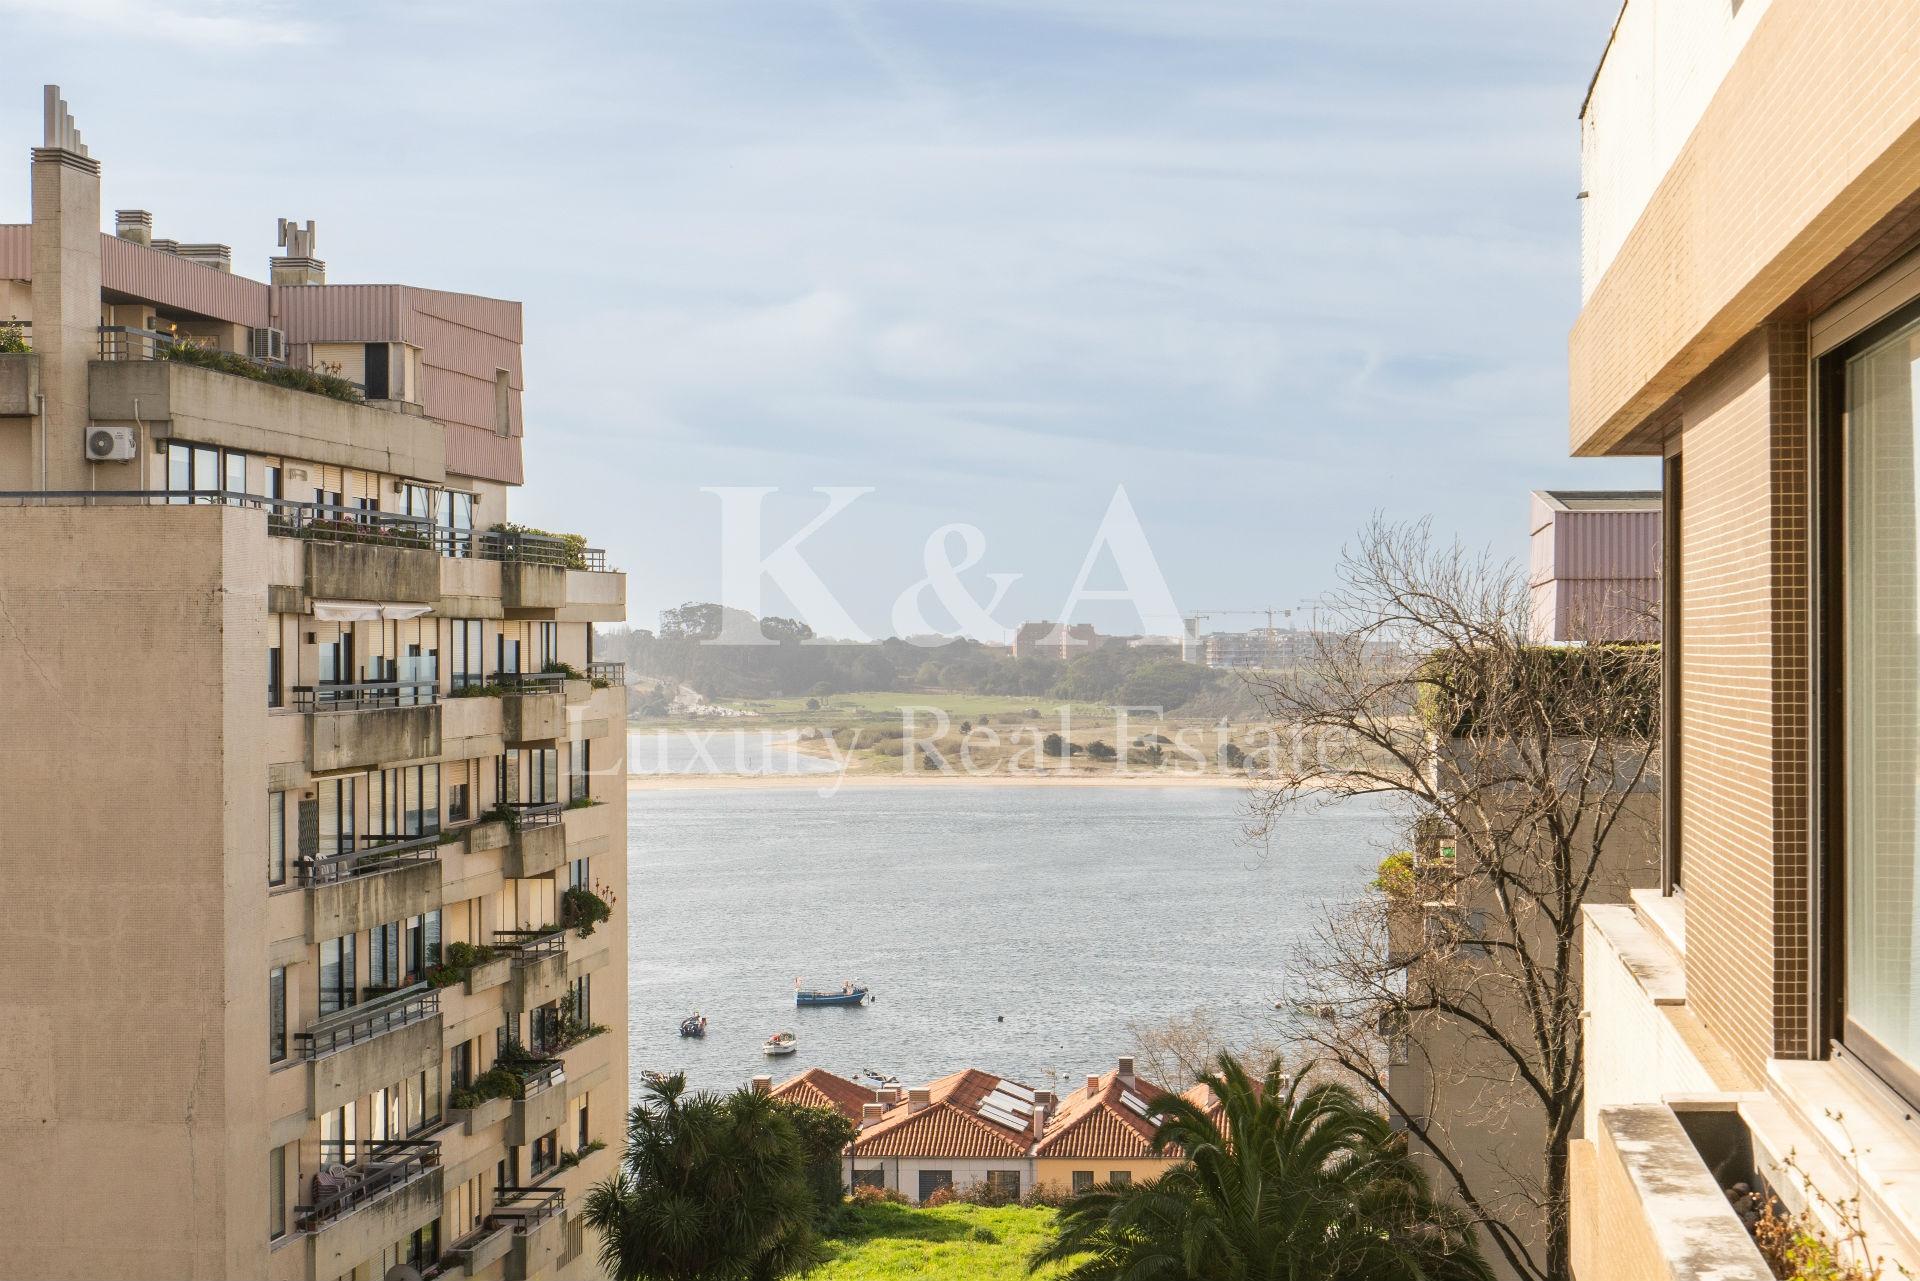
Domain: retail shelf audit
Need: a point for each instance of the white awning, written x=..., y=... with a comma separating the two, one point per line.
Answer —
x=364, y=611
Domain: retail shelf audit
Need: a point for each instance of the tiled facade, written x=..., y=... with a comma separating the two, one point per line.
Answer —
x=1714, y=333
x=310, y=781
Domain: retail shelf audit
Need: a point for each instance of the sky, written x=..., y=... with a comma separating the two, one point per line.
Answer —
x=1271, y=266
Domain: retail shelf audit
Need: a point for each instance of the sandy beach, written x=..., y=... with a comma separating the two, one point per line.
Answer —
x=655, y=782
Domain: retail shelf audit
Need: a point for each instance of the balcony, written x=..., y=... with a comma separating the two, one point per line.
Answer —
x=363, y=723
x=539, y=1230
x=479, y=1250
x=614, y=674
x=366, y=1195
x=215, y=407
x=540, y=1107
x=19, y=384
x=388, y=879
x=533, y=707
x=539, y=974
x=373, y=1044
x=536, y=841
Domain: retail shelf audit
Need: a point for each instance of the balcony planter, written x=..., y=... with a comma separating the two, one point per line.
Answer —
x=486, y=977
x=370, y=572
x=532, y=587
x=536, y=1250
x=538, y=1113
x=537, y=981
x=482, y=1116
x=483, y=1249
x=536, y=716
x=535, y=851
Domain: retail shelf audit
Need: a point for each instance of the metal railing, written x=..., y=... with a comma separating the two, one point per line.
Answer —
x=334, y=523
x=537, y=1074
x=527, y=1208
x=536, y=813
x=530, y=945
x=612, y=673
x=378, y=854
x=530, y=682
x=360, y=696
x=355, y=1173
x=359, y=1024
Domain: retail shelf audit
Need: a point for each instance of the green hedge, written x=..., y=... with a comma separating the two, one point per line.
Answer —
x=227, y=362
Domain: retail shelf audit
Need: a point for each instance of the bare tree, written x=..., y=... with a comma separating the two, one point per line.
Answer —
x=1525, y=778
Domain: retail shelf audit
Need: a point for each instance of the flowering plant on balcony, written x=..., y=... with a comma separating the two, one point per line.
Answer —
x=581, y=909
x=13, y=338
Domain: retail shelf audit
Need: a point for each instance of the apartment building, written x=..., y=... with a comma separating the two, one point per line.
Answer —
x=314, y=817
x=1751, y=318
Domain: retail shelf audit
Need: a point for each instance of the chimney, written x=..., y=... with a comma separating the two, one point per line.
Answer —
x=871, y=1112
x=218, y=257
x=1040, y=1110
x=65, y=289
x=1093, y=1085
x=888, y=1096
x=1126, y=1070
x=133, y=224
x=919, y=1097
x=297, y=266
x=1046, y=1098
x=763, y=1085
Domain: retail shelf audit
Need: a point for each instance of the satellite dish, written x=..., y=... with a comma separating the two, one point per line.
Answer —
x=401, y=1272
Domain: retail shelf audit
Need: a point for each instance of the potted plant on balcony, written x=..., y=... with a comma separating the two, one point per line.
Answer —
x=581, y=909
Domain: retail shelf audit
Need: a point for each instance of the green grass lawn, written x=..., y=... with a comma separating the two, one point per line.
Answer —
x=887, y=704
x=948, y=1243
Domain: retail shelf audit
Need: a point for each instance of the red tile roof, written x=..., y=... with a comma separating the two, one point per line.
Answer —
x=1097, y=1125
x=819, y=1088
x=950, y=1125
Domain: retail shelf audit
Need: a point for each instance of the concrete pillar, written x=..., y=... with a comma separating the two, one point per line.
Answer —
x=66, y=294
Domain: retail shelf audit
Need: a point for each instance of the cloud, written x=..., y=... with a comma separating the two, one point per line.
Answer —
x=231, y=24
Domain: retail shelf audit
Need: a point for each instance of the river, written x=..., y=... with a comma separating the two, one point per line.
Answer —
x=1013, y=928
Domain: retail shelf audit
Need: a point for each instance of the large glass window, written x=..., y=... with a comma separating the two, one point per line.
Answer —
x=276, y=838
x=1882, y=927
x=276, y=1014
x=336, y=974
x=467, y=653
x=336, y=815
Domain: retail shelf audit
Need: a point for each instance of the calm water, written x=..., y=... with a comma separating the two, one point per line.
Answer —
x=1017, y=929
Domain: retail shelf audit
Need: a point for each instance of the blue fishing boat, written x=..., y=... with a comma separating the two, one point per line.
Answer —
x=848, y=994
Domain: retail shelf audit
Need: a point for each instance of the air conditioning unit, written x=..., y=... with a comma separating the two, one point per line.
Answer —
x=264, y=343
x=110, y=444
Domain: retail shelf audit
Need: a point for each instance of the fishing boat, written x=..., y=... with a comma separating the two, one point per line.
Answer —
x=780, y=1043
x=694, y=1025
x=849, y=993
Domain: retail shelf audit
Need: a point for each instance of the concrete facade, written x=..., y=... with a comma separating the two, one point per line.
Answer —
x=244, y=811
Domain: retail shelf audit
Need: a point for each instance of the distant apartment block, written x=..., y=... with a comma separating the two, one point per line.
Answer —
x=313, y=786
x=1751, y=276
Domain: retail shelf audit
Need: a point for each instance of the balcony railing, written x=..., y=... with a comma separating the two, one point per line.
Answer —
x=531, y=945
x=377, y=854
x=537, y=1074
x=526, y=1208
x=355, y=1173
x=530, y=682
x=612, y=673
x=360, y=696
x=362, y=1023
x=534, y=813
x=328, y=522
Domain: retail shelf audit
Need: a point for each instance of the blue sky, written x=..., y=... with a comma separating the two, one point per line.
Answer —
x=1272, y=265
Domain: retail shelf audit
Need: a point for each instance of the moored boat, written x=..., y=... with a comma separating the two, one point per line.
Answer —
x=781, y=1043
x=849, y=993
x=694, y=1025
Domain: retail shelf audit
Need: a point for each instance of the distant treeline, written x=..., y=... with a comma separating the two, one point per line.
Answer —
x=1147, y=676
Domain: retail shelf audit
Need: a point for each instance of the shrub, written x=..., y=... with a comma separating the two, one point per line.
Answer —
x=495, y=1083
x=459, y=961
x=581, y=909
x=867, y=1194
x=1099, y=751
x=573, y=547
x=227, y=362
x=940, y=1197
x=13, y=338
x=558, y=668
x=1394, y=876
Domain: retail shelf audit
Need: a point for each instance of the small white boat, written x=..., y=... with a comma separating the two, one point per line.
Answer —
x=781, y=1043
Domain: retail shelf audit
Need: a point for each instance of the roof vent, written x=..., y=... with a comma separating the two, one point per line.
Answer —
x=919, y=1097
x=763, y=1085
x=133, y=224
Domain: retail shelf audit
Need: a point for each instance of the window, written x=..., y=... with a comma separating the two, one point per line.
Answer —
x=276, y=1014
x=544, y=1028
x=529, y=775
x=580, y=1000
x=463, y=1206
x=546, y=1152
x=509, y=654
x=336, y=974
x=336, y=815
x=1120, y=1178
x=579, y=768
x=423, y=1100
x=274, y=676
x=276, y=838
x=467, y=653
x=455, y=520
x=873, y=1178
x=276, y=1193
x=1082, y=1181
x=404, y=801
x=1878, y=383
x=582, y=1140
x=932, y=1181
x=423, y=1247
x=336, y=1135
x=334, y=658
x=579, y=876
x=381, y=1120
x=1004, y=1183
x=201, y=469
x=460, y=1066
x=547, y=639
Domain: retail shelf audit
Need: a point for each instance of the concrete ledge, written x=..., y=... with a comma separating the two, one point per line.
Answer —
x=376, y=736
x=361, y=1069
x=594, y=596
x=535, y=1116
x=485, y=1251
x=484, y=978
x=369, y=572
x=470, y=727
x=536, y=1253
x=215, y=408
x=533, y=718
x=19, y=384
x=1661, y=1215
x=469, y=588
x=1665, y=915
x=532, y=587
x=1658, y=972
x=357, y=903
x=535, y=851
x=490, y=1113
x=536, y=982
x=345, y=1244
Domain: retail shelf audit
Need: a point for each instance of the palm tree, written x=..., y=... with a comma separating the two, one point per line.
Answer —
x=711, y=1188
x=1291, y=1183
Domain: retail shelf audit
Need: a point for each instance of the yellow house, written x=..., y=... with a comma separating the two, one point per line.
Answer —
x=1101, y=1134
